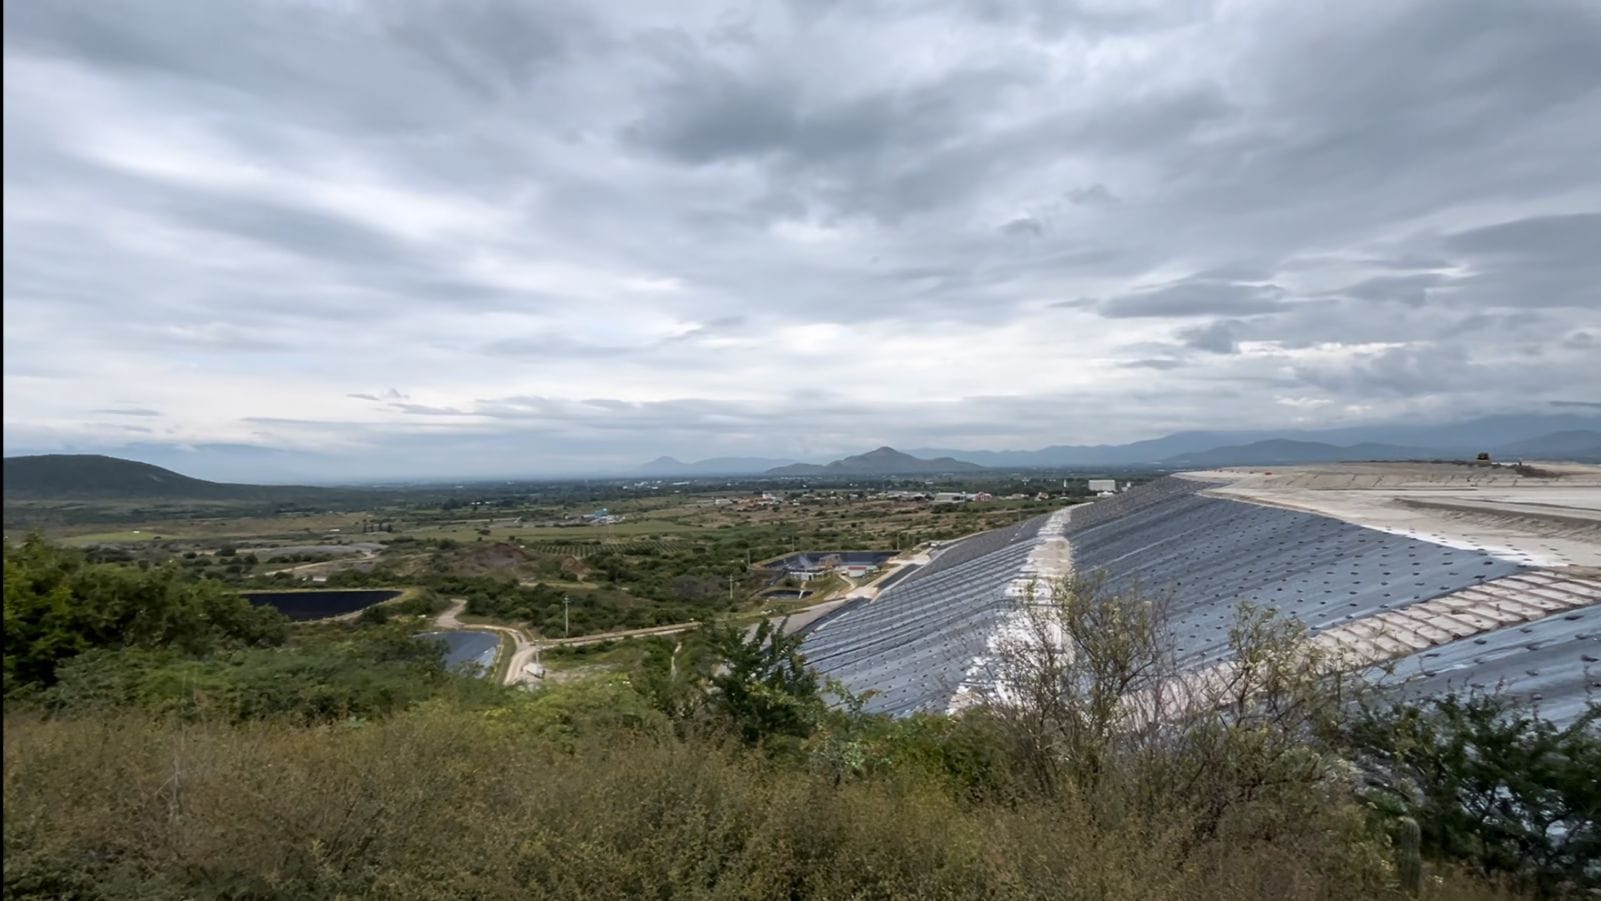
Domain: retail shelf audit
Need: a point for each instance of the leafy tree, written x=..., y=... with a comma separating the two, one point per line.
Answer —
x=57, y=605
x=377, y=614
x=690, y=587
x=421, y=603
x=763, y=687
x=1491, y=783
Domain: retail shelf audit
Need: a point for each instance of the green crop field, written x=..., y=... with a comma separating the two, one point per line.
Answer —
x=672, y=556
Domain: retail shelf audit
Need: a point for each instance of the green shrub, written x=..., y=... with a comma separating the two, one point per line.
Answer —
x=57, y=606
x=380, y=674
x=422, y=602
x=441, y=802
x=376, y=615
x=1490, y=783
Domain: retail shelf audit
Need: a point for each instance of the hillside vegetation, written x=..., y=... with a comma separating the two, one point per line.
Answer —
x=58, y=606
x=341, y=760
x=92, y=476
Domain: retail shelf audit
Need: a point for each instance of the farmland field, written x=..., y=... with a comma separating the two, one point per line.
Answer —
x=555, y=558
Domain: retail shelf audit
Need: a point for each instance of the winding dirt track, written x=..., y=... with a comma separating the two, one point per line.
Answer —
x=526, y=650
x=522, y=652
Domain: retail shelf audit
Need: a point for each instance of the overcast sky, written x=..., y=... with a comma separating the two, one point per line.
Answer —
x=462, y=238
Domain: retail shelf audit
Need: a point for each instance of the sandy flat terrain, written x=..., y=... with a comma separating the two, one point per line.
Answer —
x=1552, y=519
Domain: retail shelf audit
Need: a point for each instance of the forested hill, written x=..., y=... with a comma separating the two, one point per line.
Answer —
x=93, y=476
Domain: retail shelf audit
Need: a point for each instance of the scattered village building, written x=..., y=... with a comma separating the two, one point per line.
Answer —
x=961, y=497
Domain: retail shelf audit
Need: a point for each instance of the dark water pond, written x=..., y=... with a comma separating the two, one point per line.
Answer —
x=783, y=593
x=467, y=648
x=300, y=605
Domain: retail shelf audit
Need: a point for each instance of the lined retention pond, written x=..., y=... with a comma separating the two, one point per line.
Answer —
x=467, y=648
x=303, y=605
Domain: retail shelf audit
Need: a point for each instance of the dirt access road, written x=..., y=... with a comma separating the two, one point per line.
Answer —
x=526, y=650
x=523, y=650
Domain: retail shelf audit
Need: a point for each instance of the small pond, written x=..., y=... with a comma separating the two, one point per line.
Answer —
x=301, y=605
x=786, y=593
x=467, y=648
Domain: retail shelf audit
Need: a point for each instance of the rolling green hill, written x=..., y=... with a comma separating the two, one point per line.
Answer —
x=97, y=477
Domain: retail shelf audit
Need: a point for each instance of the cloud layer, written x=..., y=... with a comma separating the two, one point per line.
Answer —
x=500, y=238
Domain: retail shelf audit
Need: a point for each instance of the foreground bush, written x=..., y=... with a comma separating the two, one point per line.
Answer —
x=312, y=682
x=552, y=797
x=1491, y=784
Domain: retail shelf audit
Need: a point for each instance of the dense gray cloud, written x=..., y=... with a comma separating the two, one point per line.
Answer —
x=1196, y=297
x=492, y=237
x=1219, y=337
x=1408, y=289
x=1093, y=194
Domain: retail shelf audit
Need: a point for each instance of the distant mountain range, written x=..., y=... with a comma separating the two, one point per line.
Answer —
x=716, y=466
x=93, y=476
x=1533, y=436
x=1562, y=436
x=1281, y=451
x=884, y=461
x=1575, y=444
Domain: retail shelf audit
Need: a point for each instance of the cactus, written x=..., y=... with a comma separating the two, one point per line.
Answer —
x=1408, y=857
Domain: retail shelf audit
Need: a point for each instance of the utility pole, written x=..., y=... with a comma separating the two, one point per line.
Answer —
x=566, y=622
x=730, y=587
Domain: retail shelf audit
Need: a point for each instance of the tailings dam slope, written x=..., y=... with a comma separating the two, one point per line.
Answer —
x=1453, y=611
x=912, y=643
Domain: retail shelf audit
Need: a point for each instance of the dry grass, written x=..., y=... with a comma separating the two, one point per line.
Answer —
x=558, y=800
